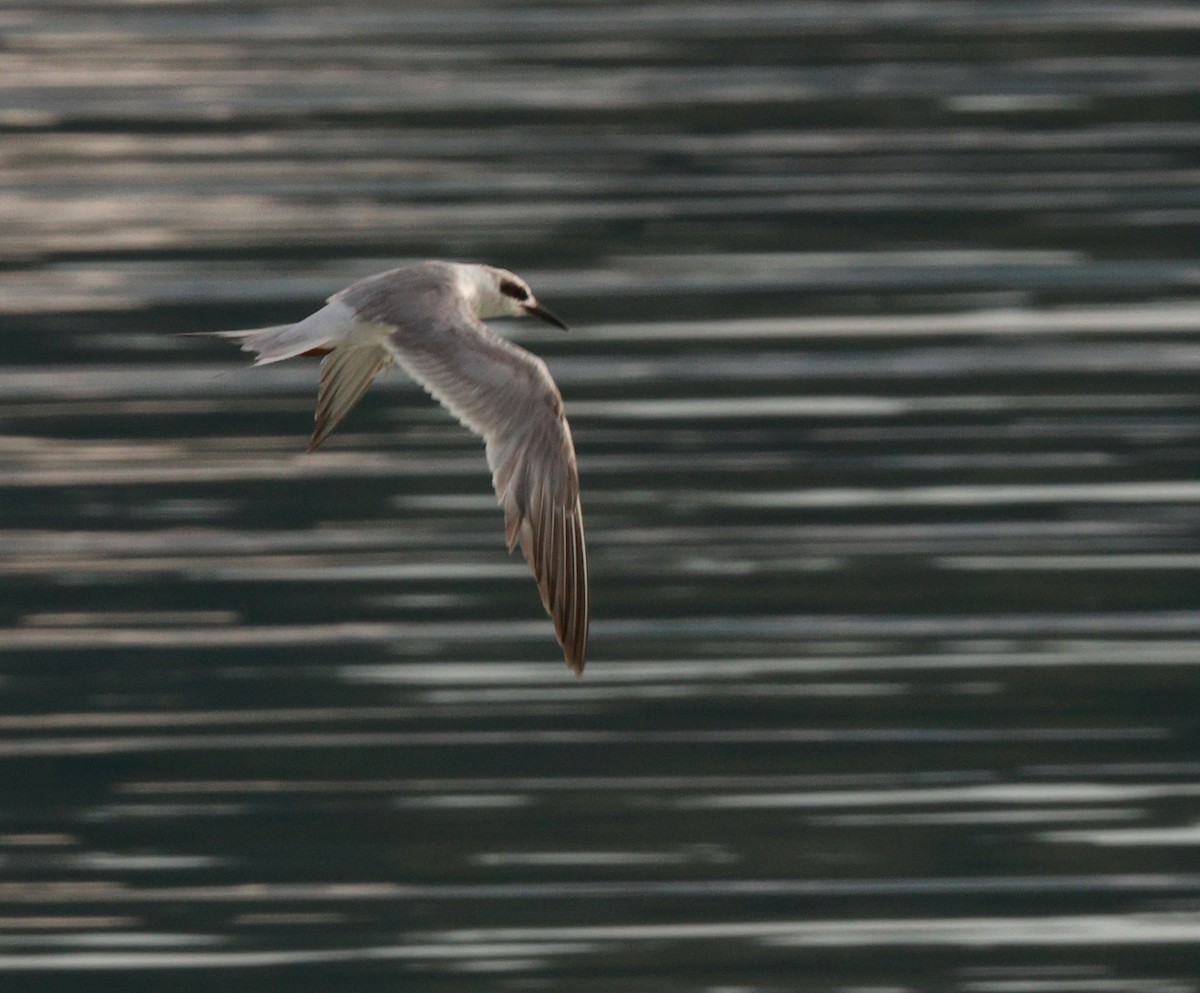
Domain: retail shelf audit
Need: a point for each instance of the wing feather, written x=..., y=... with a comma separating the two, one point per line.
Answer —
x=506, y=396
x=346, y=373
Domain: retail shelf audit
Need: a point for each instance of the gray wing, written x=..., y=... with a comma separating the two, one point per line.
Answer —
x=346, y=372
x=506, y=396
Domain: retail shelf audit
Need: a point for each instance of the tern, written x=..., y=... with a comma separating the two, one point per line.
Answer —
x=428, y=319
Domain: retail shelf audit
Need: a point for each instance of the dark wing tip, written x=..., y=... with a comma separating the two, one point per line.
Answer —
x=580, y=604
x=322, y=429
x=554, y=547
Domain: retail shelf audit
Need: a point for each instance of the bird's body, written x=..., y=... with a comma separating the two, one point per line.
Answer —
x=428, y=319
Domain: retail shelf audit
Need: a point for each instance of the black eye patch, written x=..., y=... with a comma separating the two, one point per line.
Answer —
x=514, y=290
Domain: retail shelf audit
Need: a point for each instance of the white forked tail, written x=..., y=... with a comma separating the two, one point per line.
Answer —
x=327, y=327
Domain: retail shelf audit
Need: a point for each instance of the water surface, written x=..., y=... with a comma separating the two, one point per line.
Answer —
x=883, y=381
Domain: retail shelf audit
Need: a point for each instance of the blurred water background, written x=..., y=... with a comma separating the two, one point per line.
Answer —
x=883, y=378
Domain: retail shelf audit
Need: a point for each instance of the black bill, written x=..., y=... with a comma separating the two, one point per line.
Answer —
x=537, y=310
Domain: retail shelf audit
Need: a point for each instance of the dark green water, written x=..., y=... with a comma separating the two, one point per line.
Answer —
x=883, y=379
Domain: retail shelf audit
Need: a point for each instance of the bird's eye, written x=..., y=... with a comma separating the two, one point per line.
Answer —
x=514, y=290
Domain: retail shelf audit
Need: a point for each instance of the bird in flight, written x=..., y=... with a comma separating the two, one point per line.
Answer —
x=428, y=319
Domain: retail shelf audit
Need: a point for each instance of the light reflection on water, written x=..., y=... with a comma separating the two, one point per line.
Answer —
x=882, y=375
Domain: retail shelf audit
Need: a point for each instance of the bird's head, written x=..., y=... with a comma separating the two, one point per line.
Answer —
x=500, y=293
